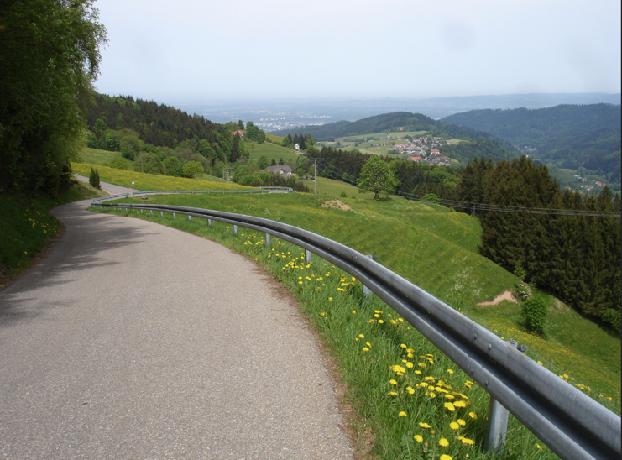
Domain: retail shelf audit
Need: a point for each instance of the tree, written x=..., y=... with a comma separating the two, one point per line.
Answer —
x=48, y=59
x=94, y=179
x=100, y=133
x=262, y=163
x=254, y=133
x=172, y=166
x=377, y=176
x=192, y=168
x=148, y=163
x=236, y=151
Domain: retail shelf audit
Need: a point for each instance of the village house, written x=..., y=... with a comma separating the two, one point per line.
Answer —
x=280, y=170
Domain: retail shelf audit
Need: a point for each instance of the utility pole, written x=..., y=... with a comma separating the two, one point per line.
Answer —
x=315, y=181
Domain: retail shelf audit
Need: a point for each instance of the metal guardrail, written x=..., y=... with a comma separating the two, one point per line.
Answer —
x=572, y=424
x=142, y=193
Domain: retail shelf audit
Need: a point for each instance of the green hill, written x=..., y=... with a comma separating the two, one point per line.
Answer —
x=271, y=152
x=474, y=144
x=566, y=136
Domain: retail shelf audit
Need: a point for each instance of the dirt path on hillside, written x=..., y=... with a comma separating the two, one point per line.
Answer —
x=505, y=295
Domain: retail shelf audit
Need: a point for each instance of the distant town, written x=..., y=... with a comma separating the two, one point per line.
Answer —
x=424, y=149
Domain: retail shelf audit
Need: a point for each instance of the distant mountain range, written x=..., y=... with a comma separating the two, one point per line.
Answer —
x=480, y=145
x=567, y=136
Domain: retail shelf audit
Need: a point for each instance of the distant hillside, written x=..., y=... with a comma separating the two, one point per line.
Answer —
x=155, y=123
x=568, y=136
x=480, y=144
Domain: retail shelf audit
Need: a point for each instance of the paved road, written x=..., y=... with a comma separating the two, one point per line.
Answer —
x=135, y=340
x=111, y=189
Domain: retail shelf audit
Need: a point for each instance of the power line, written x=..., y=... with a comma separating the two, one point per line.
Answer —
x=512, y=208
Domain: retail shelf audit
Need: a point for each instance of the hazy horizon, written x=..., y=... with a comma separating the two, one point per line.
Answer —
x=278, y=49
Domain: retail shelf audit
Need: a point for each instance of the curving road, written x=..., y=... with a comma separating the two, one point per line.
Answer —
x=135, y=340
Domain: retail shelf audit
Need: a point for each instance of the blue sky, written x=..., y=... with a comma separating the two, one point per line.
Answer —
x=197, y=50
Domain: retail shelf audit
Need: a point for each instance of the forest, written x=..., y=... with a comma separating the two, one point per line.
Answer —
x=575, y=257
x=569, y=136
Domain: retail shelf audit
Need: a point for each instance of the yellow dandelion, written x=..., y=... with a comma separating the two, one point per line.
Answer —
x=418, y=372
x=402, y=413
x=410, y=390
x=418, y=438
x=409, y=365
x=330, y=299
x=402, y=345
x=445, y=457
x=392, y=382
x=443, y=442
x=450, y=371
x=454, y=426
x=460, y=403
x=466, y=441
x=425, y=425
x=538, y=446
x=365, y=349
x=461, y=422
x=392, y=393
x=449, y=406
x=473, y=415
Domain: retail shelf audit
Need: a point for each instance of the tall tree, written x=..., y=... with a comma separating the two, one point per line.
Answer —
x=377, y=176
x=48, y=59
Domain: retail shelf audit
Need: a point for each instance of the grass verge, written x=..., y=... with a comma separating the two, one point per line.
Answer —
x=143, y=181
x=27, y=226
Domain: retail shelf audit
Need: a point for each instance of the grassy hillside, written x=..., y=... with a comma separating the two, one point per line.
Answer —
x=142, y=181
x=438, y=250
x=104, y=157
x=271, y=152
x=26, y=226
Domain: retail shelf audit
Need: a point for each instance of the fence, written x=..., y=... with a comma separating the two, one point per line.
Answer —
x=568, y=421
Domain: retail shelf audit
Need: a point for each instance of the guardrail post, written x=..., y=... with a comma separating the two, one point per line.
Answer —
x=161, y=213
x=173, y=215
x=235, y=229
x=266, y=240
x=189, y=217
x=366, y=290
x=498, y=418
x=497, y=425
x=308, y=256
x=209, y=222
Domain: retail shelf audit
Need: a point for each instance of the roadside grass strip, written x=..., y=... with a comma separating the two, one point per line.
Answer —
x=416, y=402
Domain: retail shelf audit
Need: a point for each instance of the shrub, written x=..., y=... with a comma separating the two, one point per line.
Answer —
x=94, y=179
x=192, y=168
x=521, y=291
x=534, y=314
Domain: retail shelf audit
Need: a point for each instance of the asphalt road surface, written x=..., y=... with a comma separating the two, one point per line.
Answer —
x=135, y=340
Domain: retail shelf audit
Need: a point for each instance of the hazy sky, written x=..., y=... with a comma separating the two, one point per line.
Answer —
x=197, y=50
